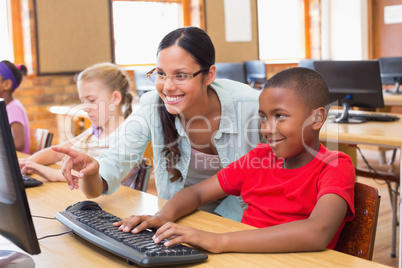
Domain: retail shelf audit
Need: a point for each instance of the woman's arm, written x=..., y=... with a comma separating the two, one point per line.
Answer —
x=312, y=234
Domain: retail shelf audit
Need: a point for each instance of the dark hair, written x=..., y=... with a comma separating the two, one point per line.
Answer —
x=199, y=45
x=308, y=85
x=23, y=69
x=14, y=70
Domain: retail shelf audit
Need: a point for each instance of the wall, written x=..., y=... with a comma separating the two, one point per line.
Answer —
x=215, y=27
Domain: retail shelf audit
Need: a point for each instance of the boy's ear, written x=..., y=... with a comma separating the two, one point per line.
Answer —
x=319, y=115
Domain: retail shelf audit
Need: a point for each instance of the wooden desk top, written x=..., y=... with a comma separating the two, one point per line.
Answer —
x=392, y=99
x=69, y=250
x=387, y=134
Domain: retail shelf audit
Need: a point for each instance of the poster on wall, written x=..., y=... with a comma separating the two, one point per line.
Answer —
x=237, y=20
x=393, y=14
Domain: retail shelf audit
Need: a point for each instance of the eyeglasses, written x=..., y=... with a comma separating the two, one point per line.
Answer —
x=177, y=79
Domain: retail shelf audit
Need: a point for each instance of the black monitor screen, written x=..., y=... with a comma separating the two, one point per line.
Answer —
x=16, y=223
x=391, y=72
x=353, y=83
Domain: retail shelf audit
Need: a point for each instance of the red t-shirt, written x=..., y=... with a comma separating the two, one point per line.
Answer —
x=276, y=195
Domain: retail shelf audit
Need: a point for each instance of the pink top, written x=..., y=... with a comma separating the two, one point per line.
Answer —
x=16, y=113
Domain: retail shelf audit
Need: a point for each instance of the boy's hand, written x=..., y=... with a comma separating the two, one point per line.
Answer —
x=177, y=234
x=140, y=223
x=77, y=161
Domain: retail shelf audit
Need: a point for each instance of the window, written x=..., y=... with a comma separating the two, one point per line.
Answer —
x=140, y=26
x=6, y=48
x=281, y=29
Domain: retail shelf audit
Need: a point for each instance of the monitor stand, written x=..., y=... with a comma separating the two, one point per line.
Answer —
x=396, y=89
x=9, y=259
x=344, y=117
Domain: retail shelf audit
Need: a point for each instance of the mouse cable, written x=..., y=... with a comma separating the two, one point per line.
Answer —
x=43, y=217
x=54, y=235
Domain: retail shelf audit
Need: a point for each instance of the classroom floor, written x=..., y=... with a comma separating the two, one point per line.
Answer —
x=382, y=248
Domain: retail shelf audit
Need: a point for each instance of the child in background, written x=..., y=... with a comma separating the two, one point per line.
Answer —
x=104, y=91
x=10, y=79
x=298, y=192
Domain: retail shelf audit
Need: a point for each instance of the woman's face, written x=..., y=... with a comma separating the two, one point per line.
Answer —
x=98, y=100
x=182, y=98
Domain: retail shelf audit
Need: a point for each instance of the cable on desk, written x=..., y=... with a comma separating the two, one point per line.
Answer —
x=43, y=217
x=54, y=235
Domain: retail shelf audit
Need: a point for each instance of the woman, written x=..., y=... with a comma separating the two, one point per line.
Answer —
x=104, y=91
x=197, y=125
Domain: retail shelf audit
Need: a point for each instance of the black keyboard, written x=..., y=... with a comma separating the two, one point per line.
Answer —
x=96, y=226
x=30, y=182
x=368, y=116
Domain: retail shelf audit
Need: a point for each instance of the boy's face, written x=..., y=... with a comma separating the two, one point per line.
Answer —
x=286, y=124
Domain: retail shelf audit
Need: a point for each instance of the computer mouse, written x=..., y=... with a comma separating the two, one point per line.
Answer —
x=84, y=205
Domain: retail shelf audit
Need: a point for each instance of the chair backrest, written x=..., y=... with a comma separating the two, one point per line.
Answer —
x=142, y=84
x=138, y=177
x=233, y=71
x=358, y=236
x=256, y=72
x=307, y=63
x=40, y=138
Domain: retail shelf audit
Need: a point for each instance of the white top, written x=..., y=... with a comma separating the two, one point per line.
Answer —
x=92, y=145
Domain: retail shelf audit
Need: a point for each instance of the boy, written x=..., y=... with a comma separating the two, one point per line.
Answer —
x=299, y=193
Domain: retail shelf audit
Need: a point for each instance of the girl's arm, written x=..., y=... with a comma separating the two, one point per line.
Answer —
x=48, y=156
x=182, y=203
x=312, y=234
x=18, y=132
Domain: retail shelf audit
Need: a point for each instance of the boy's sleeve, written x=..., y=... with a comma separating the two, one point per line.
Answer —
x=339, y=178
x=232, y=177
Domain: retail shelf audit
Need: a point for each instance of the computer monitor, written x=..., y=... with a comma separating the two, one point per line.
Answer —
x=391, y=72
x=16, y=222
x=353, y=83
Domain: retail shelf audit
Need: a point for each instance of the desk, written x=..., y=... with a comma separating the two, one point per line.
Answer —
x=392, y=99
x=71, y=251
x=383, y=134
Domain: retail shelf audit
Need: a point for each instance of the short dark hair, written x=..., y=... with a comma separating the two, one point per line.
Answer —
x=307, y=84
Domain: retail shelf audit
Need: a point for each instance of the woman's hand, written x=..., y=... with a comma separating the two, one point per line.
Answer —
x=74, y=160
x=177, y=234
x=140, y=223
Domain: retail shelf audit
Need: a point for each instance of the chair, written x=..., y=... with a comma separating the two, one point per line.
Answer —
x=256, y=73
x=142, y=84
x=233, y=71
x=307, y=63
x=40, y=139
x=358, y=236
x=138, y=177
x=390, y=173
